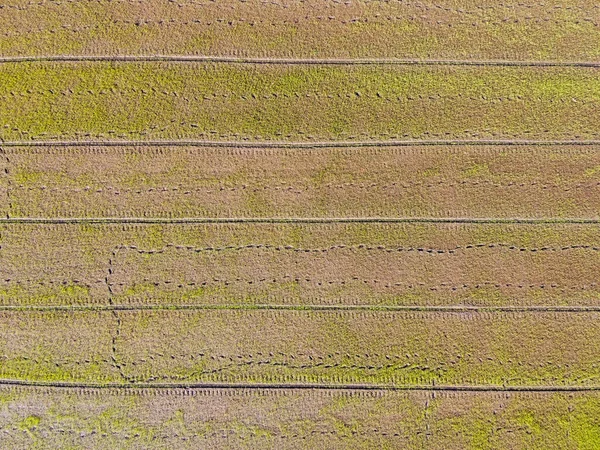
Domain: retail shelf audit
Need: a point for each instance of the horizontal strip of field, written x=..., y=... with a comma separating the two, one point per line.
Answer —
x=414, y=181
x=328, y=419
x=367, y=347
x=295, y=264
x=160, y=100
x=481, y=29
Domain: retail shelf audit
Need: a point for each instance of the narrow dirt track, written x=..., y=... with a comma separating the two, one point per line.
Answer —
x=433, y=309
x=308, y=386
x=307, y=220
x=297, y=61
x=297, y=144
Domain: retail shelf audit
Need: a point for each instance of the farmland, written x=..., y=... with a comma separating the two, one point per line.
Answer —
x=215, y=418
x=299, y=224
x=510, y=349
x=527, y=181
x=441, y=29
x=162, y=100
x=412, y=264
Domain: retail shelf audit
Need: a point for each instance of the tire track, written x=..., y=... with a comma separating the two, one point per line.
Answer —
x=9, y=184
x=117, y=333
x=299, y=189
x=356, y=247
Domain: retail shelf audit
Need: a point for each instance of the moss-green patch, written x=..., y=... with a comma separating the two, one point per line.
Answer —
x=69, y=294
x=24, y=176
x=29, y=422
x=202, y=293
x=529, y=421
x=476, y=170
x=584, y=424
x=153, y=237
x=28, y=370
x=139, y=289
x=7, y=396
x=257, y=203
x=592, y=171
x=430, y=172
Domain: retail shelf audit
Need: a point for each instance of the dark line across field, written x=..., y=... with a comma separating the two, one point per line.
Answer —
x=296, y=61
x=333, y=308
x=297, y=144
x=291, y=220
x=302, y=386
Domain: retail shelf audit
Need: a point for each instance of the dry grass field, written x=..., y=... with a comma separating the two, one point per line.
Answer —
x=303, y=224
x=559, y=30
x=334, y=348
x=295, y=419
x=300, y=264
x=498, y=181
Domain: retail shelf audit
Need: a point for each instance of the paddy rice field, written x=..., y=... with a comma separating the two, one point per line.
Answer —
x=298, y=224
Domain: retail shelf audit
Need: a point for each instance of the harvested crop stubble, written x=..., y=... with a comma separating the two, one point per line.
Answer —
x=300, y=264
x=239, y=418
x=416, y=181
x=339, y=347
x=54, y=347
x=481, y=29
x=100, y=100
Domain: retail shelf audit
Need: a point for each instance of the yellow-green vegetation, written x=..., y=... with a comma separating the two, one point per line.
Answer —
x=311, y=29
x=224, y=101
x=46, y=347
x=40, y=293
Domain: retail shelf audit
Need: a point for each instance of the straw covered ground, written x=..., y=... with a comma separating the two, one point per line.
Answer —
x=299, y=224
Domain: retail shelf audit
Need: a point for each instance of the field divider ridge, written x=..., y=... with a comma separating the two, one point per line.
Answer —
x=296, y=61
x=297, y=144
x=292, y=220
x=303, y=386
x=315, y=307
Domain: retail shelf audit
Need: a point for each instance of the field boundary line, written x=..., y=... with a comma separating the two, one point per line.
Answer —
x=297, y=144
x=303, y=386
x=296, y=61
x=293, y=220
x=315, y=307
